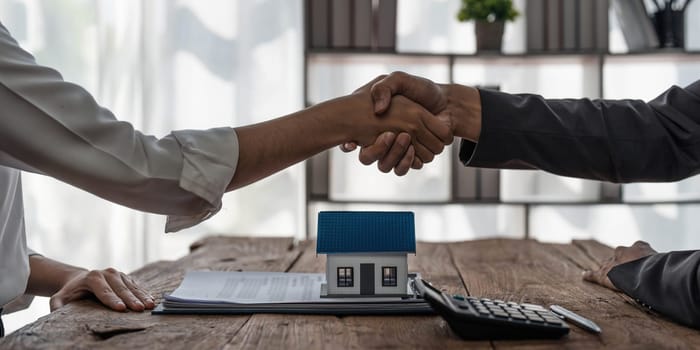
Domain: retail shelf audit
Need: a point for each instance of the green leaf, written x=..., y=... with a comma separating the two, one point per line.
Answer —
x=487, y=10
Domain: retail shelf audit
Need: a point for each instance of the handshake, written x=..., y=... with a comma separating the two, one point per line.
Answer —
x=411, y=120
x=401, y=121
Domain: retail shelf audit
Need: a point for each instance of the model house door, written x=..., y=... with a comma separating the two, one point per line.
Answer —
x=366, y=279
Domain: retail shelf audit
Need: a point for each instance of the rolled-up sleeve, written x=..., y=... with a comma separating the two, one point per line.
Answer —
x=56, y=128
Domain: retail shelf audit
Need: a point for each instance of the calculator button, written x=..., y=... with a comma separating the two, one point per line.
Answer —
x=533, y=307
x=484, y=312
x=552, y=320
x=518, y=317
x=536, y=319
x=461, y=304
x=500, y=314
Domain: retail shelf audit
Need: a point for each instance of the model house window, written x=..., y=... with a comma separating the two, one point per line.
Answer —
x=345, y=277
x=389, y=276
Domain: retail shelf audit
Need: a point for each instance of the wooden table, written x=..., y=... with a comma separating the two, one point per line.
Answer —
x=517, y=270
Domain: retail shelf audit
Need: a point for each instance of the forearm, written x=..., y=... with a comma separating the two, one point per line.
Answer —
x=271, y=146
x=669, y=283
x=48, y=276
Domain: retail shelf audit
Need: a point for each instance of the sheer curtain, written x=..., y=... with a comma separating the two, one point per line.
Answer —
x=163, y=65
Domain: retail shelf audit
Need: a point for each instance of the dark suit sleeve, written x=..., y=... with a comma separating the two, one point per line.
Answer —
x=668, y=283
x=611, y=140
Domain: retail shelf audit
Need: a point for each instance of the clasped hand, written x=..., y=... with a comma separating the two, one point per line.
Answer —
x=402, y=96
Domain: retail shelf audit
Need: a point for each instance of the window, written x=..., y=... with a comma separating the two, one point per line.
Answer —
x=388, y=276
x=345, y=277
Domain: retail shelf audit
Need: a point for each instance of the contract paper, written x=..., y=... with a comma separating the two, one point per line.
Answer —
x=257, y=288
x=235, y=293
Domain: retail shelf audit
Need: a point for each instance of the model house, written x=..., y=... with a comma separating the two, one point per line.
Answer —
x=366, y=252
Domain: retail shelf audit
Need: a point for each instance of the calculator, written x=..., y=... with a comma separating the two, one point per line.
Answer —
x=481, y=318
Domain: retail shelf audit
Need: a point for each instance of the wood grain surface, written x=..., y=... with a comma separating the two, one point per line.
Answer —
x=512, y=270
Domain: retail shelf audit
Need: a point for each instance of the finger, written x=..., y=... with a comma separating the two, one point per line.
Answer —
x=348, y=147
x=431, y=143
x=417, y=164
x=376, y=151
x=371, y=83
x=146, y=298
x=57, y=301
x=383, y=89
x=66, y=295
x=396, y=153
x=619, y=251
x=381, y=96
x=420, y=90
x=590, y=276
x=644, y=248
x=114, y=278
x=641, y=244
x=599, y=277
x=441, y=127
x=97, y=284
x=423, y=153
x=426, y=137
x=603, y=280
x=404, y=165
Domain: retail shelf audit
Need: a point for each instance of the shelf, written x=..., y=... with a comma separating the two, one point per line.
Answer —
x=595, y=64
x=494, y=202
x=464, y=202
x=669, y=51
x=491, y=55
x=481, y=55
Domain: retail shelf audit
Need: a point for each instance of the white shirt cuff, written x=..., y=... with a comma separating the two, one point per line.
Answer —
x=209, y=163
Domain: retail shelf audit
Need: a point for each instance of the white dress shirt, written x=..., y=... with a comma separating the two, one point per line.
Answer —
x=14, y=261
x=56, y=128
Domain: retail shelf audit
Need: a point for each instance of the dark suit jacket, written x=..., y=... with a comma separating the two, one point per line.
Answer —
x=609, y=140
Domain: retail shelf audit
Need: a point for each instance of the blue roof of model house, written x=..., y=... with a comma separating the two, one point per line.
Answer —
x=365, y=232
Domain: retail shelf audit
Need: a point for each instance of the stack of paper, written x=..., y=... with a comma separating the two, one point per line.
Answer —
x=222, y=292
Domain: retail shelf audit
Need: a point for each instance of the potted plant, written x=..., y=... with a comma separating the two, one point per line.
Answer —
x=489, y=17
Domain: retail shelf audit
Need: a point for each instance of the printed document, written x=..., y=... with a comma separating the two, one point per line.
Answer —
x=249, y=287
x=256, y=288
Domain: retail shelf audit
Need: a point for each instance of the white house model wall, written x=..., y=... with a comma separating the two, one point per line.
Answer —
x=379, y=260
